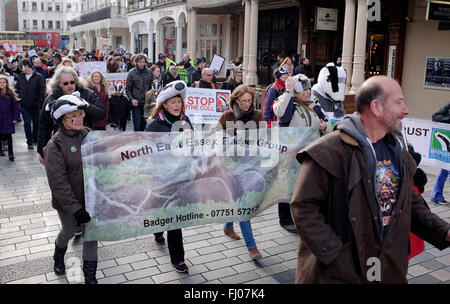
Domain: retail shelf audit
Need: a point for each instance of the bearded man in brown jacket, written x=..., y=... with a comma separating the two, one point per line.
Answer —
x=349, y=232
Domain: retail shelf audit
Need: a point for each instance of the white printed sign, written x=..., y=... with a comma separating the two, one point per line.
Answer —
x=6, y=46
x=11, y=81
x=206, y=105
x=430, y=139
x=85, y=68
x=116, y=78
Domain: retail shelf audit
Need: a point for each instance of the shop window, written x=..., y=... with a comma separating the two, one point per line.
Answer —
x=210, y=41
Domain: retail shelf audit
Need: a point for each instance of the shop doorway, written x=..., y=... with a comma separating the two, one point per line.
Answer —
x=277, y=34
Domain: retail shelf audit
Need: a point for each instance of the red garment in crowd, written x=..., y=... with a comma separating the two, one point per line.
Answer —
x=103, y=95
x=281, y=87
x=416, y=243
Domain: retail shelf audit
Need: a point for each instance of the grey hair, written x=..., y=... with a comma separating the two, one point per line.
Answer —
x=206, y=70
x=53, y=84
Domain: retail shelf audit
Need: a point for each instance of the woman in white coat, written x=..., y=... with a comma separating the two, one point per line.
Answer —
x=295, y=109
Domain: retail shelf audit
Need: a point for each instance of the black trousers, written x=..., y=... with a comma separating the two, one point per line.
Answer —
x=175, y=244
x=284, y=213
x=8, y=138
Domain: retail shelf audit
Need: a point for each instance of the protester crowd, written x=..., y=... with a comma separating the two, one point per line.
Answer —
x=59, y=108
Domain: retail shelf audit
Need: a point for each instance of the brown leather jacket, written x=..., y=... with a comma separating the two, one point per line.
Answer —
x=336, y=214
x=64, y=169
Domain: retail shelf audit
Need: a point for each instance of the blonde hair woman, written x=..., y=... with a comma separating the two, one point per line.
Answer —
x=96, y=81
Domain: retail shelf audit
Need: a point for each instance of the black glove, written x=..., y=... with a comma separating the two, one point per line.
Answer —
x=420, y=179
x=417, y=157
x=82, y=216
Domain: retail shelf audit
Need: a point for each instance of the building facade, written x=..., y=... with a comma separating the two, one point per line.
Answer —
x=158, y=26
x=102, y=24
x=48, y=16
x=375, y=37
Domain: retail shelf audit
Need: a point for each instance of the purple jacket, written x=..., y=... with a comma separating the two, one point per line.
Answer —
x=9, y=111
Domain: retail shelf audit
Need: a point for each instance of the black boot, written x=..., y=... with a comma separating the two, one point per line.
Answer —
x=89, y=270
x=58, y=257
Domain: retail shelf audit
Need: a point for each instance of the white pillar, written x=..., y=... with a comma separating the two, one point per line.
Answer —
x=132, y=42
x=179, y=54
x=188, y=34
x=157, y=42
x=246, y=38
x=162, y=39
x=150, y=44
x=348, y=41
x=299, y=37
x=360, y=46
x=252, y=77
x=226, y=42
x=193, y=33
x=241, y=36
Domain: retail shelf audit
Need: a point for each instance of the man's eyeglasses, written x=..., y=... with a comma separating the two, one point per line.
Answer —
x=67, y=82
x=209, y=75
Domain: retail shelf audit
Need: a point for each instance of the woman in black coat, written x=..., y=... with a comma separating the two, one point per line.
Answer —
x=169, y=116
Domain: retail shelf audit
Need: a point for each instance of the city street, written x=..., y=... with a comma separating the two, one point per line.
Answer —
x=29, y=226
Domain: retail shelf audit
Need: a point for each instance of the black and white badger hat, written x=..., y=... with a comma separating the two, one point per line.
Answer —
x=66, y=104
x=171, y=90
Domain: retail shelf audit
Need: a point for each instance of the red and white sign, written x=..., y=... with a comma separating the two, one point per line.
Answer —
x=205, y=106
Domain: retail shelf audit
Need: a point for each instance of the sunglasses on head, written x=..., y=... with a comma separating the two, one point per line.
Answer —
x=67, y=82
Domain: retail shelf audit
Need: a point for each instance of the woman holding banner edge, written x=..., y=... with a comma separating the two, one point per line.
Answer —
x=170, y=110
x=242, y=108
x=63, y=165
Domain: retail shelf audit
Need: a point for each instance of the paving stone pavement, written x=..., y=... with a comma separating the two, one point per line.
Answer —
x=29, y=226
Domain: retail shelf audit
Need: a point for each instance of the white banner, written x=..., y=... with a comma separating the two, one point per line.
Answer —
x=205, y=106
x=116, y=78
x=11, y=81
x=85, y=68
x=431, y=140
x=103, y=42
x=138, y=183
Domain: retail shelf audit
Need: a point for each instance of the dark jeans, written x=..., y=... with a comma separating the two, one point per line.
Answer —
x=8, y=138
x=175, y=244
x=138, y=117
x=30, y=114
x=284, y=213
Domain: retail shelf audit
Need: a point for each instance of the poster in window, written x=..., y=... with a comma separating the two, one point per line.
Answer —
x=437, y=73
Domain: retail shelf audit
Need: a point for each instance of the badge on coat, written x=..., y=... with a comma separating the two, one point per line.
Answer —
x=73, y=149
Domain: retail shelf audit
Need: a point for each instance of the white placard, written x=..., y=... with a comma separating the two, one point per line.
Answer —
x=116, y=78
x=206, y=105
x=11, y=81
x=85, y=68
x=32, y=53
x=430, y=139
x=217, y=63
